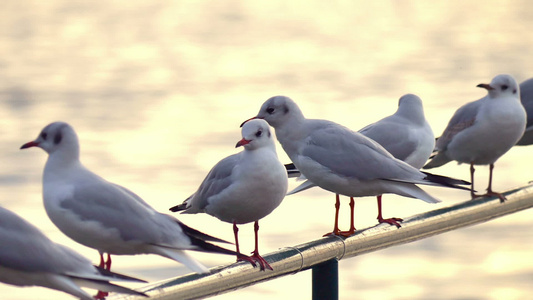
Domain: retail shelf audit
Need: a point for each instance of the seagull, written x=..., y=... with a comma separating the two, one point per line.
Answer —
x=29, y=258
x=526, y=97
x=406, y=135
x=342, y=161
x=482, y=131
x=106, y=216
x=243, y=187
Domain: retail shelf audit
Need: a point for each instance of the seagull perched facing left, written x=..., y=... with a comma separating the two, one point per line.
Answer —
x=29, y=258
x=480, y=132
x=243, y=187
x=406, y=135
x=341, y=160
x=106, y=216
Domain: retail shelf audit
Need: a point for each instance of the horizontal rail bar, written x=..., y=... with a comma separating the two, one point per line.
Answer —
x=291, y=260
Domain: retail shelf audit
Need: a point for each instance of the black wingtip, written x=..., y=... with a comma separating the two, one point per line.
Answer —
x=191, y=232
x=199, y=239
x=178, y=207
x=448, y=181
x=208, y=247
x=290, y=167
x=116, y=288
x=110, y=274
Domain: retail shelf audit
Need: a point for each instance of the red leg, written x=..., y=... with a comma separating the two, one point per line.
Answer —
x=108, y=262
x=391, y=221
x=255, y=254
x=101, y=295
x=352, y=220
x=240, y=256
x=106, y=265
x=490, y=192
x=102, y=261
x=336, y=230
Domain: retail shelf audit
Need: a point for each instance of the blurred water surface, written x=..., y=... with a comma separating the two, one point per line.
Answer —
x=156, y=91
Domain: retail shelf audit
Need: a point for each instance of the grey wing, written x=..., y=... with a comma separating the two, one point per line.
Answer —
x=116, y=208
x=133, y=195
x=463, y=118
x=351, y=154
x=26, y=248
x=217, y=180
x=393, y=137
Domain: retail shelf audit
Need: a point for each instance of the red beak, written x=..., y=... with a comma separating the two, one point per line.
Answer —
x=248, y=120
x=242, y=142
x=29, y=145
x=485, y=86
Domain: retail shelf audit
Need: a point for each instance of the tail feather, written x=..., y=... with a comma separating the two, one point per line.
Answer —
x=182, y=257
x=103, y=285
x=437, y=160
x=413, y=191
x=302, y=187
x=116, y=276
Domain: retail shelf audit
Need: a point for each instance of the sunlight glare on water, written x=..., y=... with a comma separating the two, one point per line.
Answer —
x=157, y=90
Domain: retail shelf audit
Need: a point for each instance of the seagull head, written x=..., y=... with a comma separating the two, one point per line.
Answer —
x=255, y=134
x=54, y=137
x=277, y=111
x=502, y=84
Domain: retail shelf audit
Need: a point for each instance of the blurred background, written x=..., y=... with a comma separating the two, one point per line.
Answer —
x=157, y=89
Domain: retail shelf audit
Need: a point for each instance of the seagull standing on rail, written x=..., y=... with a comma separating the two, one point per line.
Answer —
x=106, y=216
x=482, y=131
x=406, y=135
x=243, y=187
x=343, y=161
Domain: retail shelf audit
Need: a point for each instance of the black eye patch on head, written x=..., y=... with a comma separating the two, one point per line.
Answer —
x=57, y=138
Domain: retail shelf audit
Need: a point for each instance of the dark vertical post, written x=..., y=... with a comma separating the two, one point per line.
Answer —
x=326, y=280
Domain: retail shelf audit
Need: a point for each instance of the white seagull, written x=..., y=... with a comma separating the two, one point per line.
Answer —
x=406, y=135
x=482, y=131
x=342, y=161
x=526, y=97
x=106, y=216
x=29, y=258
x=243, y=187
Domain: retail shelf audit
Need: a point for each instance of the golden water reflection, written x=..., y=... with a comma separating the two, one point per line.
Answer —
x=157, y=91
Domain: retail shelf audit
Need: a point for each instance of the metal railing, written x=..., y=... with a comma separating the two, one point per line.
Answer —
x=322, y=255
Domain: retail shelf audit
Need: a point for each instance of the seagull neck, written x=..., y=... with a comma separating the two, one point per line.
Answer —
x=290, y=129
x=413, y=113
x=261, y=151
x=61, y=160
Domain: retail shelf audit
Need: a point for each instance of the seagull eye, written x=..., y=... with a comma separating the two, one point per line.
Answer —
x=270, y=110
x=504, y=87
x=258, y=133
x=43, y=135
